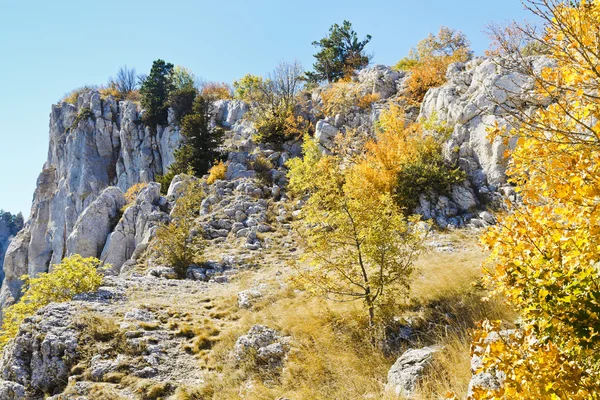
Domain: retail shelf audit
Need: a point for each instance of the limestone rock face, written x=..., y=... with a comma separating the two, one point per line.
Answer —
x=40, y=357
x=479, y=94
x=136, y=227
x=94, y=144
x=10, y=225
x=95, y=224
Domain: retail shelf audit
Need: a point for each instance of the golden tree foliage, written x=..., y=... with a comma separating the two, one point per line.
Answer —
x=430, y=60
x=341, y=96
x=545, y=253
x=72, y=276
x=358, y=241
x=216, y=172
x=405, y=162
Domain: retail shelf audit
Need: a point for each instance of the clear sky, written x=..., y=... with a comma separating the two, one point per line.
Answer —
x=49, y=47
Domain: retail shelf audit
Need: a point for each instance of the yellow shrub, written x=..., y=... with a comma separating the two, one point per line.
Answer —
x=132, y=194
x=74, y=94
x=217, y=172
x=340, y=97
x=217, y=91
x=365, y=101
x=110, y=91
x=73, y=275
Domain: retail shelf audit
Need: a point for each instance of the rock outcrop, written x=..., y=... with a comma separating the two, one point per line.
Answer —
x=407, y=371
x=9, y=226
x=479, y=94
x=98, y=149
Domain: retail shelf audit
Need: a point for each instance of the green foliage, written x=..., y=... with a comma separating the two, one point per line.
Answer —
x=263, y=168
x=179, y=244
x=274, y=102
x=13, y=223
x=72, y=276
x=155, y=92
x=341, y=53
x=84, y=114
x=427, y=173
x=201, y=139
x=249, y=88
x=182, y=101
x=183, y=78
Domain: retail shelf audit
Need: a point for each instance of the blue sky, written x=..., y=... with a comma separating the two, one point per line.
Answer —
x=48, y=48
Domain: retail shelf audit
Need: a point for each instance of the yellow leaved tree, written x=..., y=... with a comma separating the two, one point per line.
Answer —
x=358, y=241
x=72, y=276
x=545, y=251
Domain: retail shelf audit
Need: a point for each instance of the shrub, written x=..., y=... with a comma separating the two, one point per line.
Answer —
x=430, y=60
x=74, y=94
x=263, y=168
x=132, y=194
x=182, y=101
x=366, y=100
x=178, y=243
x=216, y=172
x=155, y=92
x=72, y=276
x=249, y=88
x=84, y=114
x=279, y=125
x=340, y=97
x=406, y=162
x=217, y=91
x=125, y=82
x=183, y=78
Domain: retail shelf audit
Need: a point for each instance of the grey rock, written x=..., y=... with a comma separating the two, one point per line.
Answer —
x=247, y=297
x=407, y=371
x=42, y=353
x=263, y=345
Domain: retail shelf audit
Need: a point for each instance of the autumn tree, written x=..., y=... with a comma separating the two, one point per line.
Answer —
x=341, y=54
x=125, y=82
x=545, y=252
x=274, y=102
x=74, y=275
x=429, y=62
x=358, y=242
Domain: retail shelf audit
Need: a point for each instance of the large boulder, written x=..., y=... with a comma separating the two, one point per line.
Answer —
x=136, y=227
x=408, y=370
x=478, y=94
x=95, y=224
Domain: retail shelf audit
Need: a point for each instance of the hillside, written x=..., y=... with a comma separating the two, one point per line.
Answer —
x=421, y=231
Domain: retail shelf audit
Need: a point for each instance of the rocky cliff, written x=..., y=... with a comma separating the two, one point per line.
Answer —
x=9, y=226
x=99, y=148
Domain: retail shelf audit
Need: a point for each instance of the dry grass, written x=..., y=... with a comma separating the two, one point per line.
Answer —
x=332, y=354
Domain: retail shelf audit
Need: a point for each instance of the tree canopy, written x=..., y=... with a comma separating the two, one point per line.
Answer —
x=341, y=54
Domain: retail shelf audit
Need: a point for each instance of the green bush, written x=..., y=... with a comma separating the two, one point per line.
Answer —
x=72, y=276
x=182, y=102
x=177, y=244
x=426, y=173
